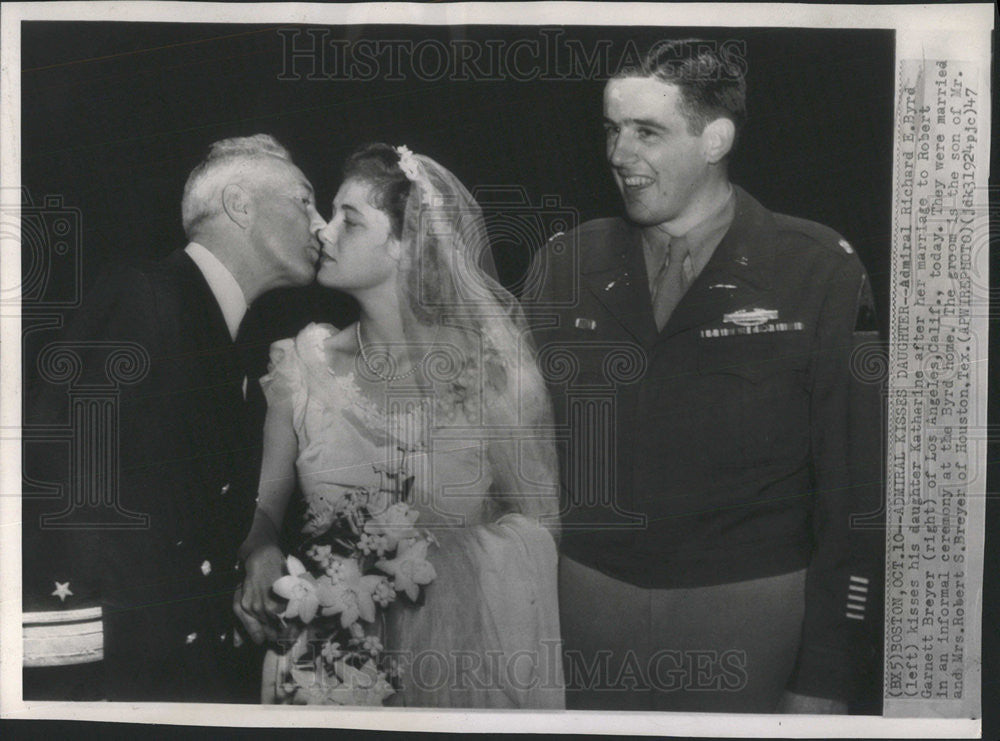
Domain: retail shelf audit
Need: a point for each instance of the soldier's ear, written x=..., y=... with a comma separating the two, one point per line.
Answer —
x=236, y=203
x=717, y=139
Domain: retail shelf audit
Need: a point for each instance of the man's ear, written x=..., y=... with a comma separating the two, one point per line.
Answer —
x=718, y=138
x=236, y=204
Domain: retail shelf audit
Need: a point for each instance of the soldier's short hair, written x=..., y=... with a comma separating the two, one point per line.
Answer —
x=200, y=200
x=710, y=77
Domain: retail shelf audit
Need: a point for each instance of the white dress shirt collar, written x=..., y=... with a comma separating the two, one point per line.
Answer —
x=224, y=287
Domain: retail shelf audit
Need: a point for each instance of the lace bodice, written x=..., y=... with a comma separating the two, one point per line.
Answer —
x=345, y=440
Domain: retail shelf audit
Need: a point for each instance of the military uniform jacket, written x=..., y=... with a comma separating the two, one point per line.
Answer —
x=161, y=561
x=717, y=449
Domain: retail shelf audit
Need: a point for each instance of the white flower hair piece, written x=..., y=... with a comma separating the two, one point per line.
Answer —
x=410, y=166
x=408, y=163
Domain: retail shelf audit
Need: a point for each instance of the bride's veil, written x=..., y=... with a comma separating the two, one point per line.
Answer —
x=489, y=361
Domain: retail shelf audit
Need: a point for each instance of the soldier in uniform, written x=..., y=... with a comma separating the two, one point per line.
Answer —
x=177, y=491
x=708, y=557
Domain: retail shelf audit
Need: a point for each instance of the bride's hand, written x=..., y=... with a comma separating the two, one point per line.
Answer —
x=254, y=602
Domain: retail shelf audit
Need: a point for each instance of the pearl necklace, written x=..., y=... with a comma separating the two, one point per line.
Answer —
x=374, y=370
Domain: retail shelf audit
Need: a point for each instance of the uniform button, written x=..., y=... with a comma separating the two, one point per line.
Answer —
x=206, y=567
x=222, y=637
x=225, y=488
x=192, y=637
x=179, y=543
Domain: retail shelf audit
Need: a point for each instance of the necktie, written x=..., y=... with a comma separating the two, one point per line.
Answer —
x=670, y=286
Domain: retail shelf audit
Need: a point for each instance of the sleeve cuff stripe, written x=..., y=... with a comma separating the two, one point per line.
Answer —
x=61, y=616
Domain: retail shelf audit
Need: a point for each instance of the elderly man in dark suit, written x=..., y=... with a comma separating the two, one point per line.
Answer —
x=161, y=564
x=698, y=351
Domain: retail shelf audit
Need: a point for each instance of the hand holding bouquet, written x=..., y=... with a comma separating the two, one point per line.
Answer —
x=363, y=550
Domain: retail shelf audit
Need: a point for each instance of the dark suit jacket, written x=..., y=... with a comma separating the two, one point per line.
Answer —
x=161, y=558
x=718, y=449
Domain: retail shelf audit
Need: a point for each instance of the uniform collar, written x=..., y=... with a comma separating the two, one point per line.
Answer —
x=751, y=259
x=223, y=285
x=702, y=238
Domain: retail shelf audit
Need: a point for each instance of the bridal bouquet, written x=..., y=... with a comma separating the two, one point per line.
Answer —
x=363, y=549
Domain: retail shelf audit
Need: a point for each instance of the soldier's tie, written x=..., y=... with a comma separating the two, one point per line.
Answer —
x=670, y=285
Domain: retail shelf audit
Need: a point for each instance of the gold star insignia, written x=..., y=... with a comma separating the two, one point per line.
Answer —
x=62, y=591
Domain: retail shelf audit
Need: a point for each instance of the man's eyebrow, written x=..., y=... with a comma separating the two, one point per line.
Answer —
x=349, y=207
x=648, y=123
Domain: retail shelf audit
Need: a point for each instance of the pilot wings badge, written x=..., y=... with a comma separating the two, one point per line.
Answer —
x=750, y=317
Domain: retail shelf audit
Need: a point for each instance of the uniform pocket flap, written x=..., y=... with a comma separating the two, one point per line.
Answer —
x=752, y=358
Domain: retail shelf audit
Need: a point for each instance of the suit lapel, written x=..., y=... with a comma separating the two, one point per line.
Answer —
x=215, y=357
x=186, y=271
x=616, y=276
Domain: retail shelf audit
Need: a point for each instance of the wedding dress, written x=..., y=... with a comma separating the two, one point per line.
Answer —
x=485, y=633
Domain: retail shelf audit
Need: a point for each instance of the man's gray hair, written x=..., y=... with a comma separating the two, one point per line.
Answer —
x=205, y=183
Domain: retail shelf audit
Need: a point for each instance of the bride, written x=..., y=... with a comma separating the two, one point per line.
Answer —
x=438, y=370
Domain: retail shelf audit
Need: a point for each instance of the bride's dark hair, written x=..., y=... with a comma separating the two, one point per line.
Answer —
x=378, y=165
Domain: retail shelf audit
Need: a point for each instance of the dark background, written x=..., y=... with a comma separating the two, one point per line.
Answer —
x=115, y=115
